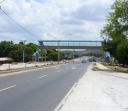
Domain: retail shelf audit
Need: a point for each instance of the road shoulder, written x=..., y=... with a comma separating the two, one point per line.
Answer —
x=98, y=91
x=27, y=69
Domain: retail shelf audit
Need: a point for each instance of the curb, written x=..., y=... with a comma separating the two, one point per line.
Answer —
x=20, y=70
x=64, y=100
x=61, y=104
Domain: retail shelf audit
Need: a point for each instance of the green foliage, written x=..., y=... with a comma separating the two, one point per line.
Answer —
x=122, y=52
x=52, y=54
x=115, y=33
x=29, y=50
x=61, y=56
x=5, y=47
x=15, y=51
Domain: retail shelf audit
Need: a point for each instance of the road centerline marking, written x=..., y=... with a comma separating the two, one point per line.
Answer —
x=74, y=68
x=42, y=76
x=7, y=88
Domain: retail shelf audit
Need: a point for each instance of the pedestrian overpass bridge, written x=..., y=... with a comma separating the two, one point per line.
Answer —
x=69, y=44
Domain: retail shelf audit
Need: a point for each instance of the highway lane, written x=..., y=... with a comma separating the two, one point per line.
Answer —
x=39, y=90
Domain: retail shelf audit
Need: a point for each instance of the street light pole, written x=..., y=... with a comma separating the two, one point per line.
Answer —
x=58, y=53
x=23, y=51
x=23, y=55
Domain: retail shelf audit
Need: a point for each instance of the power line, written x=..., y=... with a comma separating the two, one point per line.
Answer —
x=2, y=1
x=19, y=25
x=14, y=21
x=17, y=22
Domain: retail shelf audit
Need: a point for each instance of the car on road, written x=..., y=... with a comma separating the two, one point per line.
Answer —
x=83, y=61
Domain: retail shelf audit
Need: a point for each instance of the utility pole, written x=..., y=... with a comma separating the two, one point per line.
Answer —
x=96, y=50
x=1, y=3
x=23, y=53
x=58, y=53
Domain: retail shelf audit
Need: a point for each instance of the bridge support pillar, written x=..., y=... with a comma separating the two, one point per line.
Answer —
x=43, y=55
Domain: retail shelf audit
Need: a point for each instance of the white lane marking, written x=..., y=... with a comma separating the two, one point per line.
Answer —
x=63, y=101
x=74, y=68
x=42, y=76
x=7, y=88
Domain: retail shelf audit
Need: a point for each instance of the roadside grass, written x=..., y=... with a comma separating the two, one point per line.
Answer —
x=117, y=68
x=94, y=67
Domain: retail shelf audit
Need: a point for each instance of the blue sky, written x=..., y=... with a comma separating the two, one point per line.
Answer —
x=54, y=19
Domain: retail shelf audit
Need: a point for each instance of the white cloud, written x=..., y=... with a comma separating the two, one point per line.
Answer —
x=54, y=19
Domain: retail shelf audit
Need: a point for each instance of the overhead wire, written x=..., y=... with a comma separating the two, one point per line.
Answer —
x=2, y=1
x=19, y=25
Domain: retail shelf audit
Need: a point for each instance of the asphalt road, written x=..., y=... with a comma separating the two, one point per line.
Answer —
x=39, y=90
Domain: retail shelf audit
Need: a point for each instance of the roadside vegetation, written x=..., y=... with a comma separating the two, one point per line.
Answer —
x=118, y=68
x=15, y=51
x=115, y=32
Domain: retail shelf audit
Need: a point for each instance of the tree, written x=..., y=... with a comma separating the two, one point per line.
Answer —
x=5, y=48
x=115, y=33
x=15, y=51
x=52, y=55
x=122, y=52
x=29, y=51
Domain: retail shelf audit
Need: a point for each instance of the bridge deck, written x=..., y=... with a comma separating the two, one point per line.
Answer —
x=98, y=41
x=70, y=44
x=70, y=47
